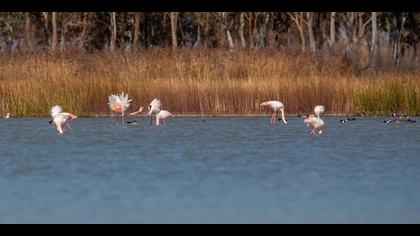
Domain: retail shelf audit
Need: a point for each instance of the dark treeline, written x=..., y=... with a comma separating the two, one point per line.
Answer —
x=367, y=39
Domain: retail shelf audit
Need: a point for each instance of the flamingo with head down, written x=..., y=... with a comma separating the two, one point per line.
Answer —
x=60, y=118
x=275, y=106
x=316, y=124
x=162, y=116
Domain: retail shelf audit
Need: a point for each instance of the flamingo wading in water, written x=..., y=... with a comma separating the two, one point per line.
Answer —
x=275, y=106
x=162, y=116
x=316, y=124
x=154, y=108
x=119, y=104
x=319, y=110
x=60, y=118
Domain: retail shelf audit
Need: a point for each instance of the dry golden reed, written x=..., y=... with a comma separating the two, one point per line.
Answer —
x=199, y=82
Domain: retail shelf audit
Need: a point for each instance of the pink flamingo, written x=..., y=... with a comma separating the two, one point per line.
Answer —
x=119, y=104
x=316, y=124
x=319, y=110
x=275, y=106
x=154, y=107
x=60, y=118
x=163, y=115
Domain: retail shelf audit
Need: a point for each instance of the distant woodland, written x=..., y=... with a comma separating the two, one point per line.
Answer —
x=366, y=39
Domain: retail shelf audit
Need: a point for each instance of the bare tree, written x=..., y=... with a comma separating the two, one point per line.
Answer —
x=374, y=46
x=310, y=23
x=136, y=30
x=28, y=31
x=262, y=35
x=174, y=20
x=242, y=29
x=332, y=30
x=113, y=31
x=297, y=18
x=66, y=20
x=398, y=30
x=83, y=32
x=225, y=29
x=54, y=31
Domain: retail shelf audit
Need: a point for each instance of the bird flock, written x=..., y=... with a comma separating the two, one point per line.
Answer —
x=120, y=103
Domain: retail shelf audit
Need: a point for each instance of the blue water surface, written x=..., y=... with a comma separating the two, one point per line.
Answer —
x=209, y=170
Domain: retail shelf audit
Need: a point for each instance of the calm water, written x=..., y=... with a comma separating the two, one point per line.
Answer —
x=212, y=170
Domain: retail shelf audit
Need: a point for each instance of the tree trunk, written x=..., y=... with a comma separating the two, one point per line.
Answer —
x=298, y=20
x=113, y=31
x=206, y=29
x=174, y=19
x=198, y=39
x=83, y=33
x=374, y=46
x=229, y=39
x=396, y=42
x=242, y=29
x=262, y=35
x=136, y=30
x=54, y=32
x=332, y=31
x=225, y=30
x=396, y=50
x=123, y=33
x=310, y=22
x=28, y=31
x=63, y=36
x=47, y=26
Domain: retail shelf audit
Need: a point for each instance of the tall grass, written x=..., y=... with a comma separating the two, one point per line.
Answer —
x=199, y=82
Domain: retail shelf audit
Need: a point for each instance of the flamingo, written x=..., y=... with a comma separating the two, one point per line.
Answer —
x=163, y=115
x=119, y=104
x=316, y=124
x=7, y=116
x=275, y=106
x=154, y=107
x=319, y=110
x=60, y=118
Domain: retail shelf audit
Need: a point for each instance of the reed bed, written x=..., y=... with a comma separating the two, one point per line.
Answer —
x=200, y=82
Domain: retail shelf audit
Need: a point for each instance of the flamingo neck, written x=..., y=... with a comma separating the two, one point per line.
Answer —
x=282, y=115
x=157, y=121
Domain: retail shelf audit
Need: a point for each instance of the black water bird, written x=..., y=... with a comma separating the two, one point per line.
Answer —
x=401, y=119
x=132, y=122
x=348, y=119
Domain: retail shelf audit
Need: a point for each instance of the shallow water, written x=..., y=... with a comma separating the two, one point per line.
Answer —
x=209, y=170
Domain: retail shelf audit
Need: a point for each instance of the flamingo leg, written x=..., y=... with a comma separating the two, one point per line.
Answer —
x=68, y=126
x=117, y=122
x=273, y=118
x=122, y=117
